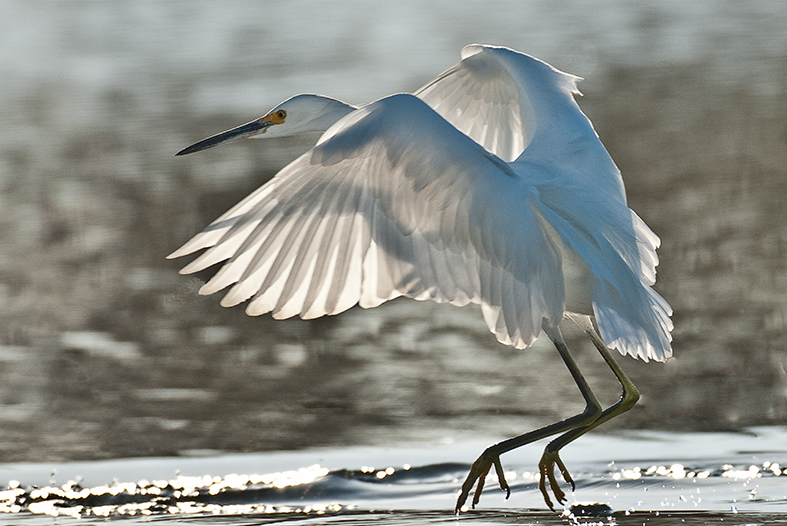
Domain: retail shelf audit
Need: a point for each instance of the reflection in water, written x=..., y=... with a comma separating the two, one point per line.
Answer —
x=106, y=352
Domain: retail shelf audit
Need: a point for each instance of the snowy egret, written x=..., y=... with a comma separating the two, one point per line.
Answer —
x=489, y=186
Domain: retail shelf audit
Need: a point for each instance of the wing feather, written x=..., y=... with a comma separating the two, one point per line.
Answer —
x=524, y=111
x=381, y=208
x=621, y=251
x=519, y=107
x=478, y=96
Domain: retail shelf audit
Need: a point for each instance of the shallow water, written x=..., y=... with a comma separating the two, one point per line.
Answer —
x=656, y=478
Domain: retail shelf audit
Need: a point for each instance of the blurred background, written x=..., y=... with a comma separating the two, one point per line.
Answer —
x=105, y=351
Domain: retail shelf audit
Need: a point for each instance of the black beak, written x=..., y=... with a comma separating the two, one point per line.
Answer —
x=244, y=130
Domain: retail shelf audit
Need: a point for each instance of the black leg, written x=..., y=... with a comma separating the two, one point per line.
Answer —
x=491, y=456
x=628, y=399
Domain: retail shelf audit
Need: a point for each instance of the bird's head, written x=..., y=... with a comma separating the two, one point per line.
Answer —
x=299, y=114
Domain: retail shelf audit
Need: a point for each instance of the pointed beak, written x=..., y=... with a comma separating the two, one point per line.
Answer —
x=244, y=130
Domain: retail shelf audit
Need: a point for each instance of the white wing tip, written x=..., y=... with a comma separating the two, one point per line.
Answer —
x=471, y=49
x=195, y=266
x=179, y=253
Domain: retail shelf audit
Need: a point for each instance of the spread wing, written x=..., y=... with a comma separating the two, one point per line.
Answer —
x=524, y=111
x=481, y=99
x=521, y=108
x=391, y=201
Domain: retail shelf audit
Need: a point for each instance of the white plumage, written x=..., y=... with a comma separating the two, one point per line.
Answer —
x=393, y=201
x=488, y=186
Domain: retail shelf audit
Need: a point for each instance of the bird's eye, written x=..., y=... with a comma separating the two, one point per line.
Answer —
x=281, y=114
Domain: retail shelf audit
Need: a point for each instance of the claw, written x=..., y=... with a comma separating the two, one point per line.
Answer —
x=501, y=477
x=480, y=486
x=546, y=467
x=544, y=493
x=477, y=477
x=564, y=472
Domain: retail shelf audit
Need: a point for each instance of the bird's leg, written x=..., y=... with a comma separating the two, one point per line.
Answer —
x=628, y=399
x=491, y=456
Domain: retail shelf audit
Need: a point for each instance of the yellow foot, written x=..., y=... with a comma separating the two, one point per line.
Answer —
x=478, y=472
x=546, y=467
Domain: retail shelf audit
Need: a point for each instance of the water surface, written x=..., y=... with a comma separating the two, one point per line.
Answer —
x=635, y=476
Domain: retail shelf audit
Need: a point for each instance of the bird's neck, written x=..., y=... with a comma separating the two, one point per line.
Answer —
x=334, y=110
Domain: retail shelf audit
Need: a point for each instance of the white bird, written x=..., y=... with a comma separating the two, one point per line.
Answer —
x=488, y=186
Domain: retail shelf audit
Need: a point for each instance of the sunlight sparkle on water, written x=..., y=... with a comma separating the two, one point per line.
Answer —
x=159, y=496
x=305, y=490
x=679, y=471
x=675, y=471
x=385, y=472
x=731, y=472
